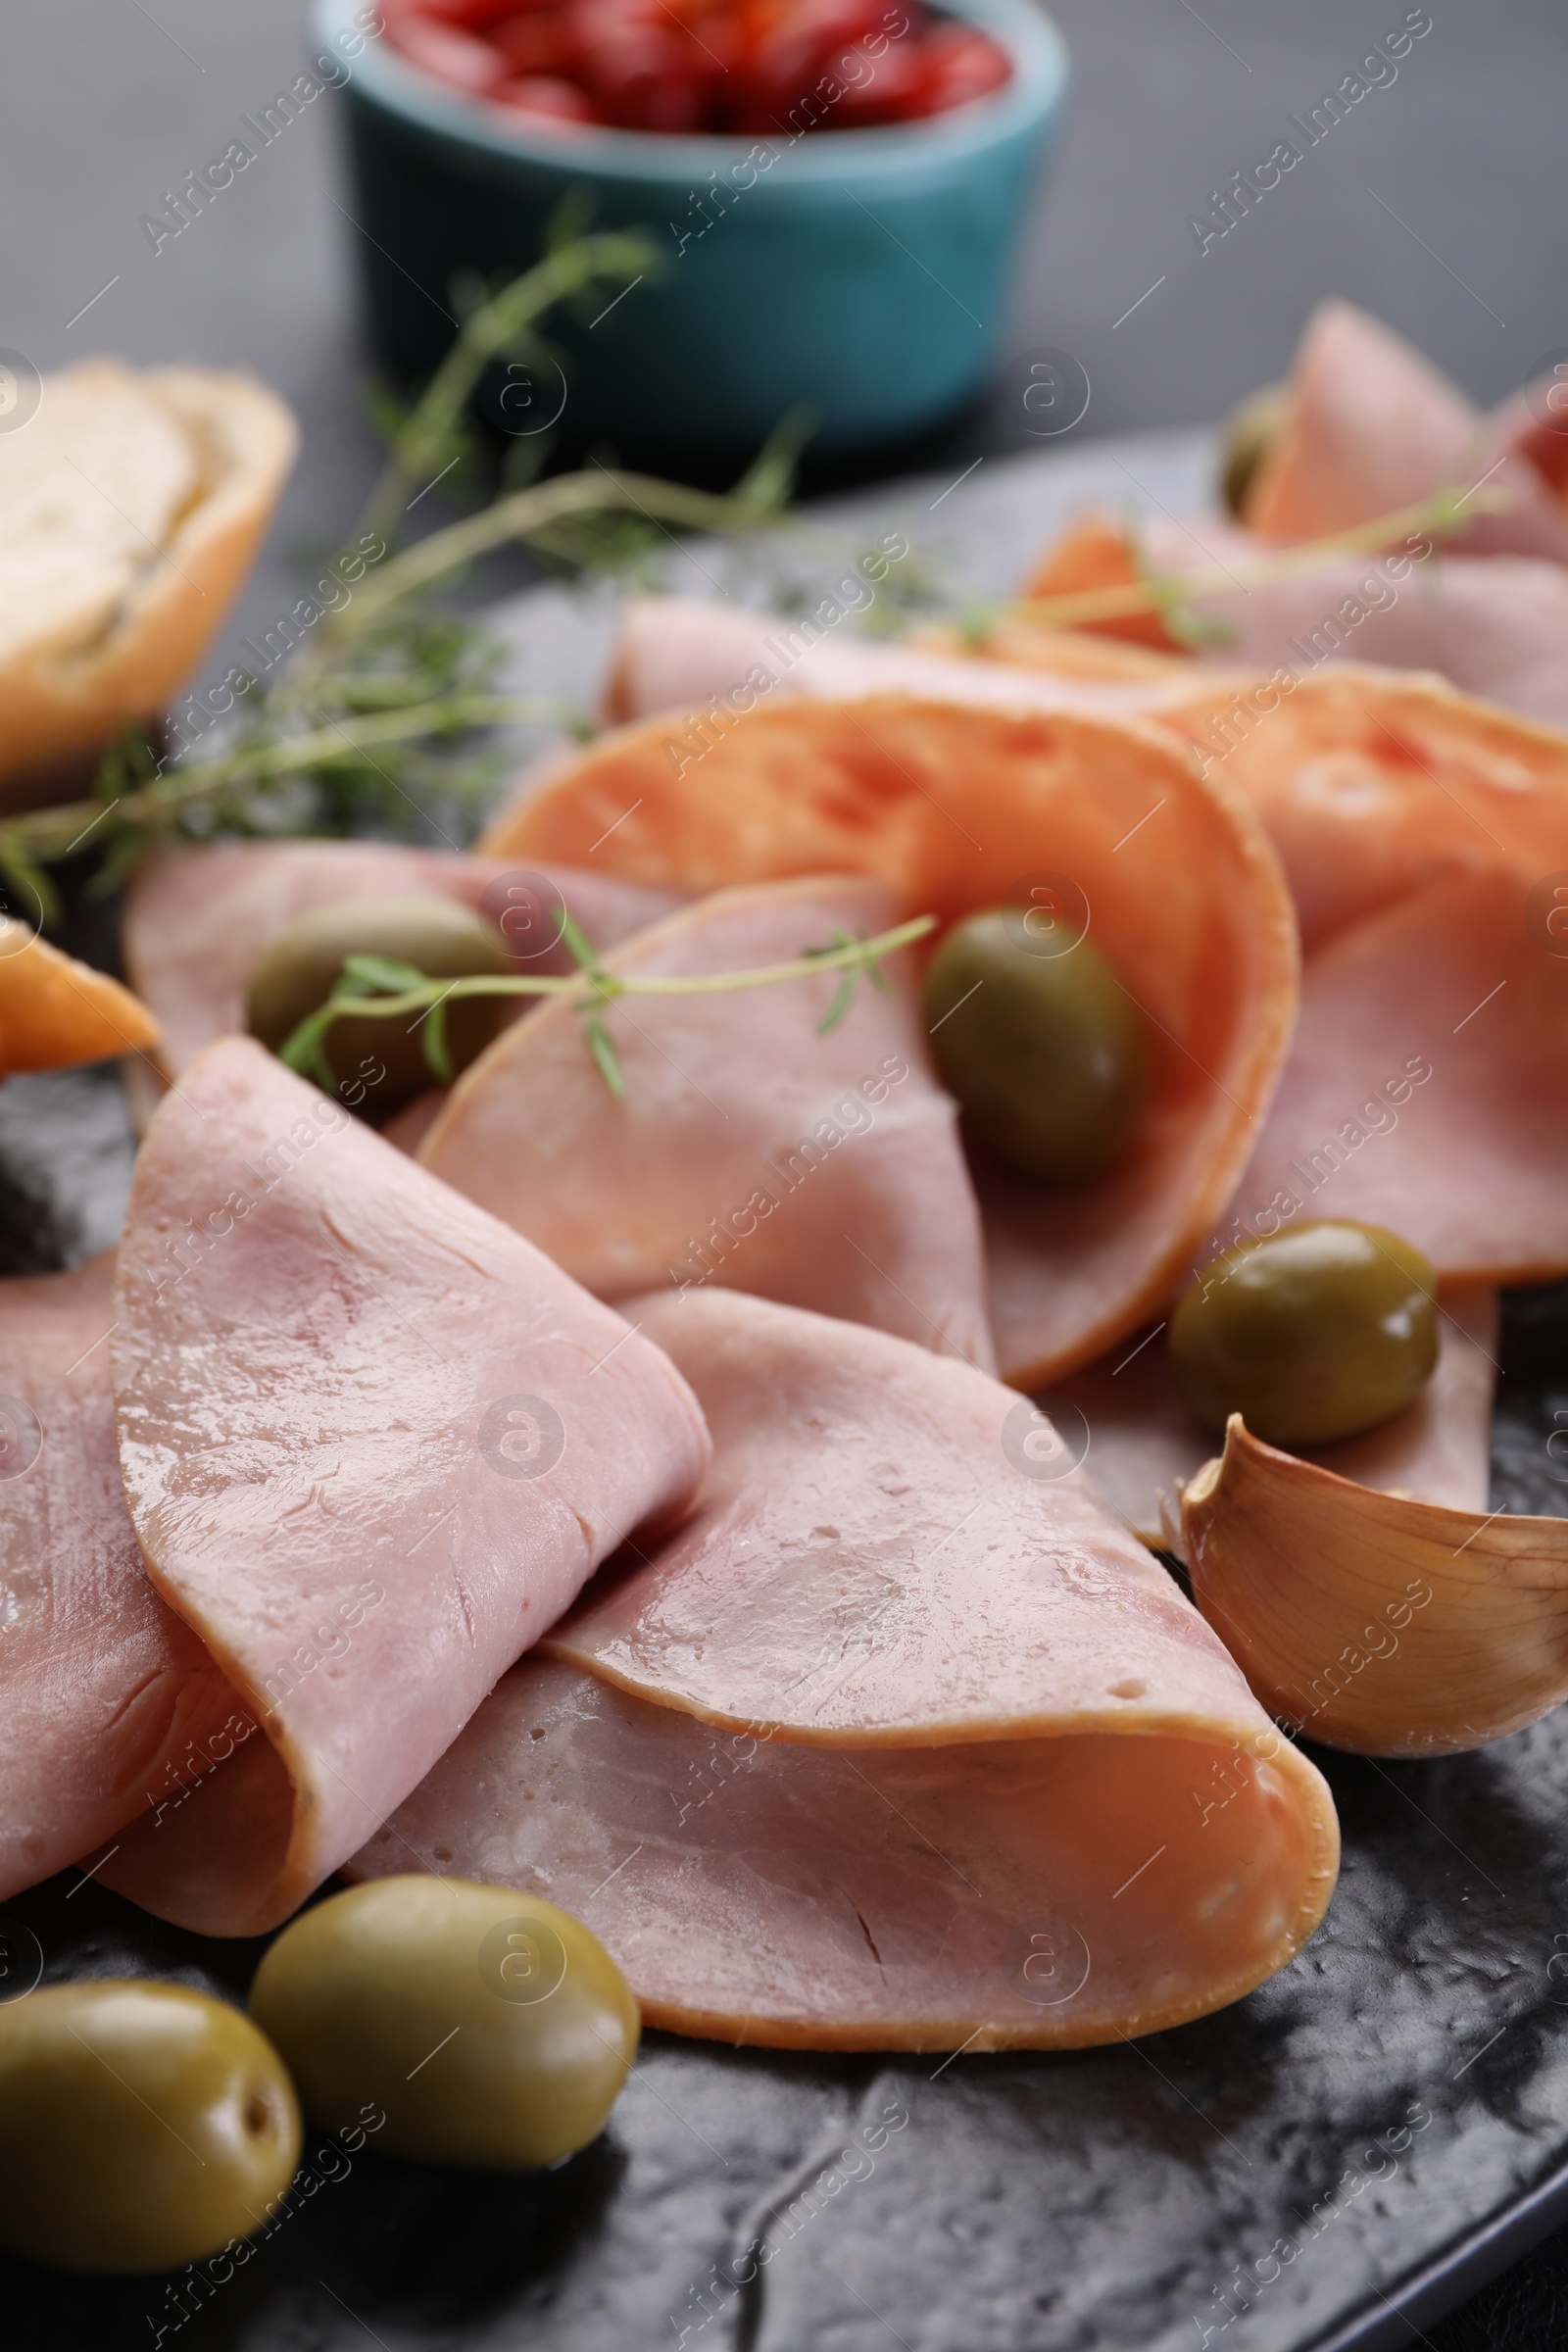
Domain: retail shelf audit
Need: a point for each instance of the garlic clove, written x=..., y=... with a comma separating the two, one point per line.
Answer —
x=1369, y=1622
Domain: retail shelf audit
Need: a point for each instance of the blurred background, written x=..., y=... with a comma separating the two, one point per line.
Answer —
x=1441, y=204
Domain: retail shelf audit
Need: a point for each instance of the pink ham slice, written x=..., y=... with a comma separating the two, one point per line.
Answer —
x=373, y=1442
x=1372, y=426
x=108, y=1700
x=1143, y=1443
x=896, y=1745
x=1427, y=1086
x=196, y=920
x=681, y=654
x=749, y=1149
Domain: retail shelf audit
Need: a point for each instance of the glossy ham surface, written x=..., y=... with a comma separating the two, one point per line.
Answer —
x=197, y=920
x=898, y=1743
x=1143, y=1444
x=108, y=1704
x=373, y=1442
x=749, y=1149
x=1427, y=1086
x=1371, y=425
x=956, y=809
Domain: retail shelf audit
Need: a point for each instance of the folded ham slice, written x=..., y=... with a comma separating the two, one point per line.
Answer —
x=1143, y=1443
x=749, y=1149
x=1373, y=784
x=963, y=808
x=1370, y=427
x=373, y=1442
x=196, y=920
x=1493, y=625
x=899, y=1743
x=683, y=654
x=1426, y=1086
x=108, y=1700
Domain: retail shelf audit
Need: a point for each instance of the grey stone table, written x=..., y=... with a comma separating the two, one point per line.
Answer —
x=1439, y=204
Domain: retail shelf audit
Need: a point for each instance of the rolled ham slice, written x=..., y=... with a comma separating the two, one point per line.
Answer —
x=196, y=920
x=748, y=1149
x=373, y=1444
x=1373, y=784
x=957, y=809
x=1371, y=427
x=1427, y=1086
x=108, y=1704
x=1142, y=1442
x=898, y=1745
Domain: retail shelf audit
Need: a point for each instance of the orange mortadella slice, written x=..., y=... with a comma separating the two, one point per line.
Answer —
x=373, y=1442
x=108, y=1704
x=1140, y=1443
x=899, y=1745
x=959, y=808
x=748, y=1149
x=1373, y=783
x=56, y=1013
x=1099, y=551
x=1427, y=1086
x=1370, y=427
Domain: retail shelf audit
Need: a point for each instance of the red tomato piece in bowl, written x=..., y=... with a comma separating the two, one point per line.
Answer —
x=548, y=96
x=958, y=62
x=539, y=40
x=442, y=50
x=643, y=67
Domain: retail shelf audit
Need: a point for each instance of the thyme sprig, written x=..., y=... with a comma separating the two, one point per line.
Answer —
x=384, y=716
x=385, y=989
x=1169, y=593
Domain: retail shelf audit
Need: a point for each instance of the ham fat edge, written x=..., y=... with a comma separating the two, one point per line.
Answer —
x=956, y=809
x=895, y=1744
x=106, y=1696
x=373, y=1444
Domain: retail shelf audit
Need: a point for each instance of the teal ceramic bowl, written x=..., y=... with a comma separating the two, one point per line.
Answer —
x=861, y=275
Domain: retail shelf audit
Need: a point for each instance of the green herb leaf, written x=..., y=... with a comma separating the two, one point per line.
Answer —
x=437, y=1052
x=605, y=1054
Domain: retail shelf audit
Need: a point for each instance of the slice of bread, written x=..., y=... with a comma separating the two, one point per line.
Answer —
x=132, y=505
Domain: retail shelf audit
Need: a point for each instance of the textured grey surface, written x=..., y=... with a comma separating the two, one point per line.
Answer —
x=1029, y=2204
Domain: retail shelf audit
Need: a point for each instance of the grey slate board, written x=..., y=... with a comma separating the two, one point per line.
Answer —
x=1214, y=2184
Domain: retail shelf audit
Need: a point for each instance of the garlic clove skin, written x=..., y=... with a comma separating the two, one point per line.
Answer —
x=1371, y=1623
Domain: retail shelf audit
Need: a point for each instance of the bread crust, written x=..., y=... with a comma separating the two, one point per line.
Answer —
x=59, y=706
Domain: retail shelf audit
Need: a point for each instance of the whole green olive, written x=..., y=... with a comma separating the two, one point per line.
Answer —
x=490, y=2028
x=1313, y=1334
x=1044, y=1050
x=299, y=970
x=144, y=2126
x=1249, y=429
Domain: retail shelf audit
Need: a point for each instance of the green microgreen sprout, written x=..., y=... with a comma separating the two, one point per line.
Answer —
x=384, y=989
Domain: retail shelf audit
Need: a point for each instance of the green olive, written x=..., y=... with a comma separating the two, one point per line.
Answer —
x=1314, y=1334
x=300, y=968
x=141, y=2126
x=1044, y=1050
x=489, y=2027
x=1249, y=429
